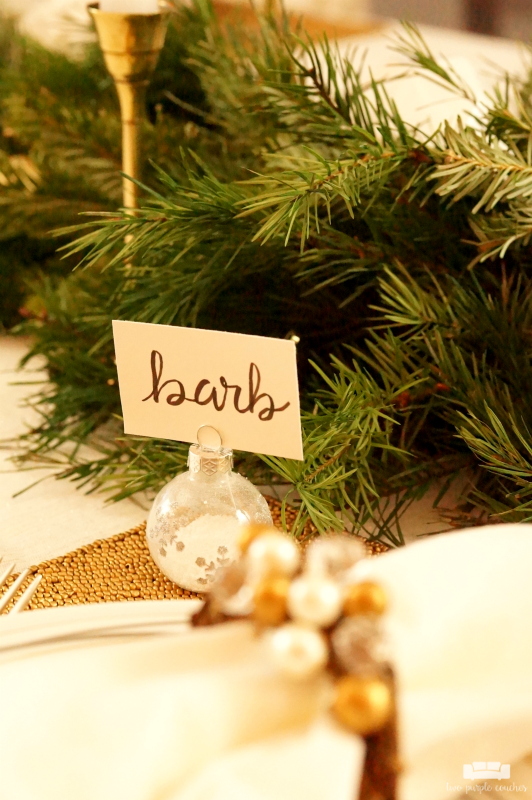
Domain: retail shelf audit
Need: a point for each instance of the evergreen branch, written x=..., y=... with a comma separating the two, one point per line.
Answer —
x=498, y=233
x=412, y=45
x=471, y=165
x=294, y=197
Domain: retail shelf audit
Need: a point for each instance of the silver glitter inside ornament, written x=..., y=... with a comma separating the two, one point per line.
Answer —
x=334, y=556
x=359, y=645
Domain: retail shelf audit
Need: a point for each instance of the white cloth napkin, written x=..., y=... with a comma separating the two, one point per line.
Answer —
x=187, y=718
x=202, y=716
x=461, y=628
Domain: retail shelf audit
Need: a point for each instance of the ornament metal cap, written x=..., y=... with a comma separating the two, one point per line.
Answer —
x=204, y=459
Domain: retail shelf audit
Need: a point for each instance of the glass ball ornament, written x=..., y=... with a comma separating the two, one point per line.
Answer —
x=197, y=519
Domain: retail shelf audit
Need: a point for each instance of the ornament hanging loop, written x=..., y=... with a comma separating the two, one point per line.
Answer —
x=209, y=437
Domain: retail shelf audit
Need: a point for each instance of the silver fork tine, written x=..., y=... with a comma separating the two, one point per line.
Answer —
x=23, y=601
x=13, y=589
x=5, y=575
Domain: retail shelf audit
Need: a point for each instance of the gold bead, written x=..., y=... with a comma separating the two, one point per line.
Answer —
x=364, y=598
x=252, y=532
x=270, y=601
x=363, y=705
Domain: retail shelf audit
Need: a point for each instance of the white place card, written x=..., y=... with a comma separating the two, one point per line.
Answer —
x=174, y=380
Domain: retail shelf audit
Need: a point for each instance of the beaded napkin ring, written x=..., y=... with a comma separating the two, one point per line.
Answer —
x=316, y=617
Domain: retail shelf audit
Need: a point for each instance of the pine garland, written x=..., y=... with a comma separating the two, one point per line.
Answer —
x=301, y=202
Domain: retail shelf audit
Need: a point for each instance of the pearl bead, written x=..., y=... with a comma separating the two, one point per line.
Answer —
x=272, y=554
x=364, y=705
x=315, y=600
x=364, y=598
x=298, y=651
x=251, y=532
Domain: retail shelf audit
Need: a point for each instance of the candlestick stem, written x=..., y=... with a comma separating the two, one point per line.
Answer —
x=131, y=44
x=132, y=99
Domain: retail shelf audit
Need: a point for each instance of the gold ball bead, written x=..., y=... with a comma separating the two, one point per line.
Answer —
x=252, y=532
x=364, y=598
x=363, y=705
x=270, y=601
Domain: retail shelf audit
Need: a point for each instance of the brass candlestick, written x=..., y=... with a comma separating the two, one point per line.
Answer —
x=131, y=44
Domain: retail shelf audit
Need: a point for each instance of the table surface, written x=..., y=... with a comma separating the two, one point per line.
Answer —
x=53, y=517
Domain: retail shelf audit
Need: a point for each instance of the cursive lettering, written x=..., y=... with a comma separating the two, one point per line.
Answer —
x=156, y=363
x=256, y=400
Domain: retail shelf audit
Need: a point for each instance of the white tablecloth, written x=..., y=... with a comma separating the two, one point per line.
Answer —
x=53, y=517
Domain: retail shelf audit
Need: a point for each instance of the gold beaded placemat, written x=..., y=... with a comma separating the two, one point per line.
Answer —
x=120, y=569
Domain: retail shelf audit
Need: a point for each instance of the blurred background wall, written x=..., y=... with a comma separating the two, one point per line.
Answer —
x=507, y=18
x=445, y=13
x=512, y=18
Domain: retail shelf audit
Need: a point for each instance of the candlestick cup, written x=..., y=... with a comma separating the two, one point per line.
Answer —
x=131, y=44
